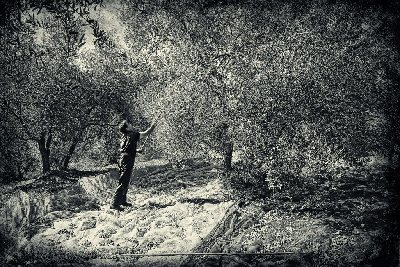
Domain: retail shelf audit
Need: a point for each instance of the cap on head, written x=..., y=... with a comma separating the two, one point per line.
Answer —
x=123, y=126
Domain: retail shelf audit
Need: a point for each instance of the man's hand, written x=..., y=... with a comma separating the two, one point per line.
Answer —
x=148, y=131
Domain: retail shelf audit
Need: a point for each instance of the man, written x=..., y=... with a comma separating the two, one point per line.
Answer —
x=128, y=148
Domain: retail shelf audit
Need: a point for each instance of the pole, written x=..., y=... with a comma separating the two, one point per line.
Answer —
x=206, y=254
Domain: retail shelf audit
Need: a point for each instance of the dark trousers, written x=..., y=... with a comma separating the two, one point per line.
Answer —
x=126, y=163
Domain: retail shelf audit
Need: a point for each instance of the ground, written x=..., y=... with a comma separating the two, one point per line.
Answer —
x=65, y=219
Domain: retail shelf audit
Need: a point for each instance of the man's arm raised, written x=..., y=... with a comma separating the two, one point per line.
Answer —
x=148, y=131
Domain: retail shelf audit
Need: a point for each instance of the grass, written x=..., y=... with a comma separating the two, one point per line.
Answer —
x=345, y=221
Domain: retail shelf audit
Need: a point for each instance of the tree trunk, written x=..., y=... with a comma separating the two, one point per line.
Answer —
x=20, y=175
x=227, y=147
x=44, y=147
x=68, y=157
x=228, y=151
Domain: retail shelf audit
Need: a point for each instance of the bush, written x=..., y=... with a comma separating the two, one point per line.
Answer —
x=249, y=180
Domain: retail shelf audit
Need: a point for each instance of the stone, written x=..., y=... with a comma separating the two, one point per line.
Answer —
x=87, y=224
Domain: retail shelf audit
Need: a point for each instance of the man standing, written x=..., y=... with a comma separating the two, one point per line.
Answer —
x=128, y=148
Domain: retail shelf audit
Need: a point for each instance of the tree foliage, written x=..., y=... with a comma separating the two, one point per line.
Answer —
x=298, y=90
x=49, y=98
x=290, y=89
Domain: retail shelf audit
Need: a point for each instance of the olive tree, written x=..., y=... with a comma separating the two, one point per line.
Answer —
x=298, y=90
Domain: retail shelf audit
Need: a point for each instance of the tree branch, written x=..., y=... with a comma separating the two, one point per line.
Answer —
x=48, y=141
x=20, y=119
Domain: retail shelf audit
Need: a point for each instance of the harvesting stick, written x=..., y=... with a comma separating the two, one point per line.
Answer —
x=140, y=150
